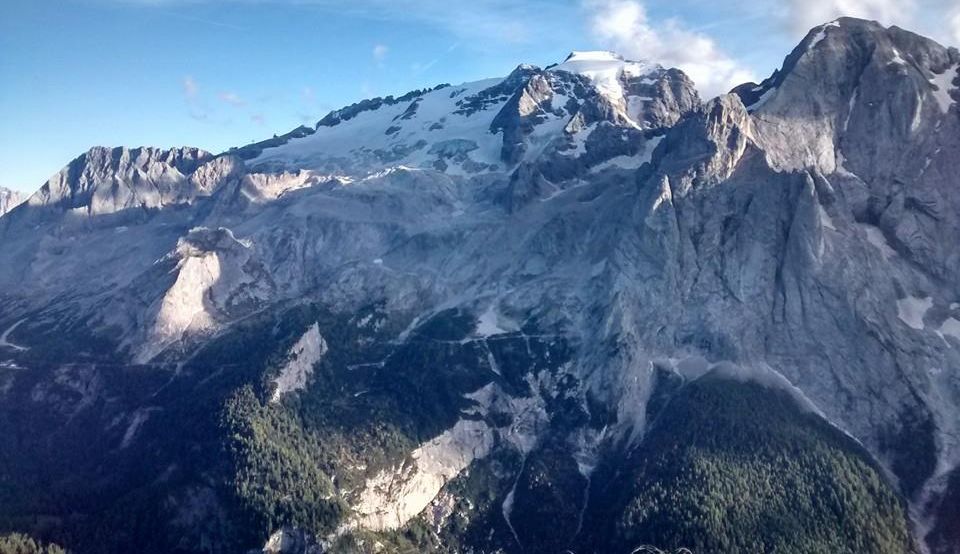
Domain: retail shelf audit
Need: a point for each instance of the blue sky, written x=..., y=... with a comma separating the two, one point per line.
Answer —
x=220, y=73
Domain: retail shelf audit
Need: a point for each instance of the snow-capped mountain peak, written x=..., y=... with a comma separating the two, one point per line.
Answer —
x=532, y=116
x=605, y=69
x=545, y=255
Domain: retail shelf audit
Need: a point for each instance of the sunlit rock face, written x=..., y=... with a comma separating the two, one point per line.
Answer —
x=9, y=199
x=462, y=305
x=108, y=180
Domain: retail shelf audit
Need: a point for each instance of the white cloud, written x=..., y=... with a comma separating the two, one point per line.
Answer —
x=937, y=19
x=623, y=26
x=954, y=24
x=802, y=15
x=380, y=52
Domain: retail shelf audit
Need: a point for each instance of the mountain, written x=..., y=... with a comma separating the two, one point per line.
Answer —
x=9, y=199
x=573, y=308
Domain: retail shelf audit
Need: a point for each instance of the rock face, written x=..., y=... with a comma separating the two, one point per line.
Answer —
x=495, y=286
x=109, y=180
x=9, y=199
x=304, y=355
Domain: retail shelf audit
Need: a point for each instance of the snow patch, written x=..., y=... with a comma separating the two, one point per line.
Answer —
x=630, y=162
x=897, y=58
x=850, y=106
x=950, y=327
x=764, y=98
x=580, y=141
x=917, y=115
x=4, y=339
x=605, y=69
x=507, y=507
x=822, y=34
x=911, y=310
x=944, y=83
x=489, y=323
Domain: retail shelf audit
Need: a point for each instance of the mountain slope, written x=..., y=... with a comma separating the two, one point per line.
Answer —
x=440, y=319
x=741, y=469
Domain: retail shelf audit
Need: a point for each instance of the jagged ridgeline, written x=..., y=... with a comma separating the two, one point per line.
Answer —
x=573, y=309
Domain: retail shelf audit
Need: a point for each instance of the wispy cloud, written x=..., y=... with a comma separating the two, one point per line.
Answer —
x=380, y=52
x=200, y=109
x=485, y=21
x=192, y=18
x=308, y=95
x=259, y=119
x=189, y=87
x=232, y=99
x=623, y=26
x=196, y=108
x=424, y=67
x=310, y=109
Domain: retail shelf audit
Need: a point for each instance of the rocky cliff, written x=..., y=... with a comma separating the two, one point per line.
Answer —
x=9, y=199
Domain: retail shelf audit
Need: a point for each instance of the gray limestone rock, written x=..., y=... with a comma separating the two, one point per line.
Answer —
x=803, y=230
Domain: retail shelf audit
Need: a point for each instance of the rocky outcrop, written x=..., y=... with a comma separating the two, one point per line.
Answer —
x=523, y=111
x=9, y=199
x=217, y=278
x=109, y=180
x=301, y=358
x=346, y=114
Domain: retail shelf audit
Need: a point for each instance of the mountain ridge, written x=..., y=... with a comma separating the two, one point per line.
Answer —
x=506, y=271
